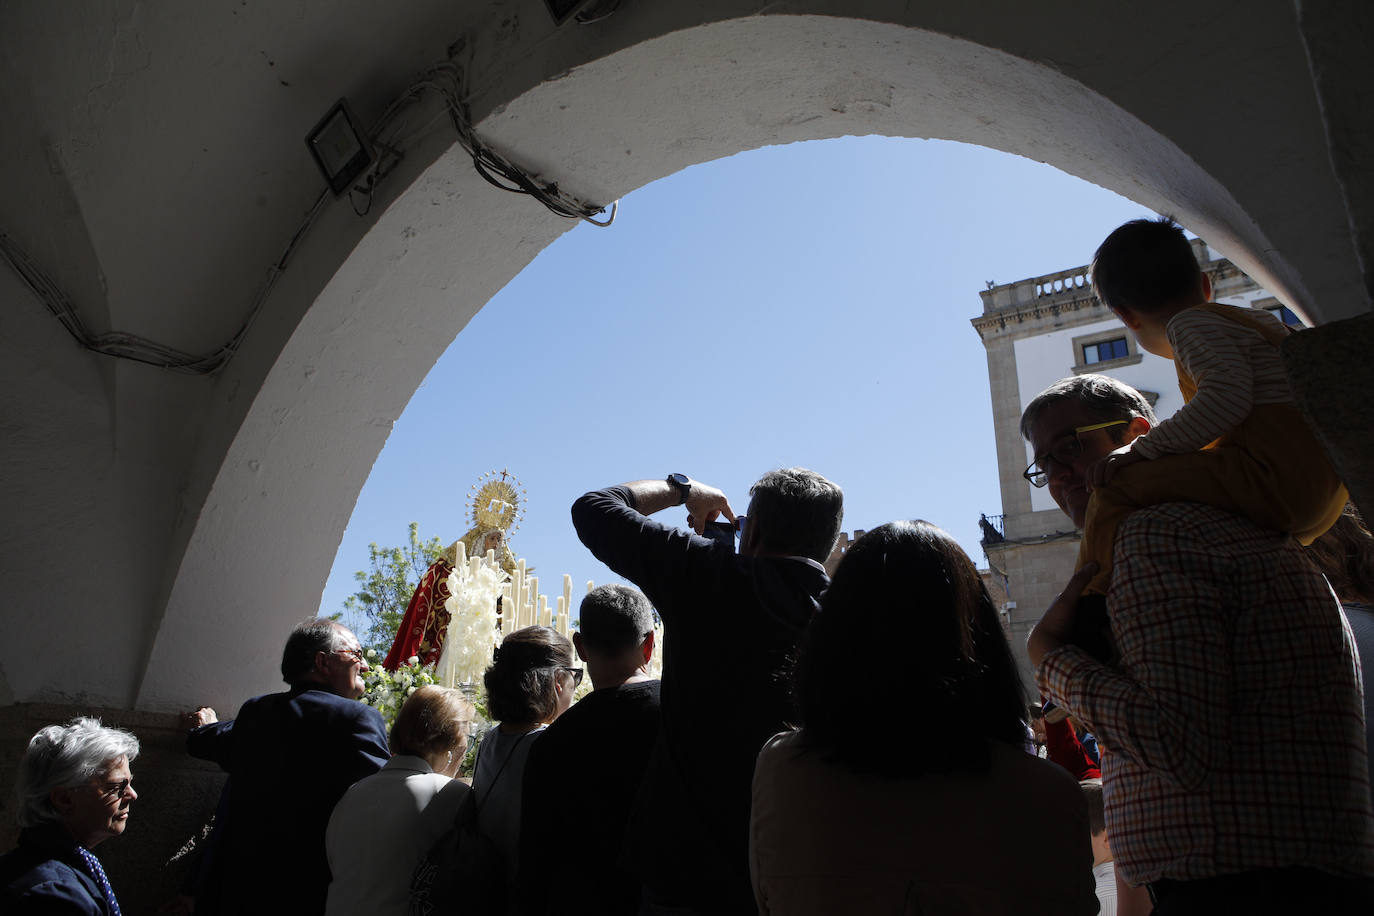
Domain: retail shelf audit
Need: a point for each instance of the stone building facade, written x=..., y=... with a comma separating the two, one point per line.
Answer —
x=1037, y=331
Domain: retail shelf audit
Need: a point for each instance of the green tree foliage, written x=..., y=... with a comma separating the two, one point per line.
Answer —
x=384, y=589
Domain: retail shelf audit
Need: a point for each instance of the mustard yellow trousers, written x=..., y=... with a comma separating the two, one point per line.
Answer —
x=1271, y=469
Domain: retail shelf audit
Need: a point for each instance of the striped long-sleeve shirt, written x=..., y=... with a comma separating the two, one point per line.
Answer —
x=1234, y=367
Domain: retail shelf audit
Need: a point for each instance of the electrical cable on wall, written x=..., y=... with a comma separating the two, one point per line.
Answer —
x=446, y=80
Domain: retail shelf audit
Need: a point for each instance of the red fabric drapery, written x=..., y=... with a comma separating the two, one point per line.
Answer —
x=426, y=619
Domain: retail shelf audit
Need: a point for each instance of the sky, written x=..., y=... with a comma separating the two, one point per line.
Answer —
x=806, y=304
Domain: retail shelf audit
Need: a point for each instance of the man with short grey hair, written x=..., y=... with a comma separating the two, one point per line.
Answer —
x=731, y=621
x=1101, y=395
x=74, y=791
x=1234, y=773
x=587, y=766
x=290, y=757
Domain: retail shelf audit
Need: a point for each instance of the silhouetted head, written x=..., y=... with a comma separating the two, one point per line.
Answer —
x=907, y=650
x=1145, y=265
x=793, y=512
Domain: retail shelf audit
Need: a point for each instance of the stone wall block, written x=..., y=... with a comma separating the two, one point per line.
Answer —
x=1333, y=382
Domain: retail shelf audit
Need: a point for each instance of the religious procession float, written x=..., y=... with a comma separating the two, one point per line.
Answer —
x=474, y=592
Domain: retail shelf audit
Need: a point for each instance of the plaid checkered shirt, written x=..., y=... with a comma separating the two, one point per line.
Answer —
x=1233, y=724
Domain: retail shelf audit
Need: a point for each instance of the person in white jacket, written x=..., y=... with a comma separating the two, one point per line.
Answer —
x=384, y=824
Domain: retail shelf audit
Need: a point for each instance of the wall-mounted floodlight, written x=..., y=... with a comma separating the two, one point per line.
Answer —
x=563, y=10
x=586, y=11
x=341, y=150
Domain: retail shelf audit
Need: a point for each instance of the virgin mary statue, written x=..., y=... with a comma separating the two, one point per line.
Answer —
x=497, y=504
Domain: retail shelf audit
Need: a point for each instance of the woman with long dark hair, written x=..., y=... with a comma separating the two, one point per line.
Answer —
x=907, y=788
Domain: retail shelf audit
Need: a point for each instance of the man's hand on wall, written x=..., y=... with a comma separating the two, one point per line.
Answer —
x=203, y=715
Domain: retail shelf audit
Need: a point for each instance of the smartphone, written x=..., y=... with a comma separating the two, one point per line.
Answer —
x=721, y=531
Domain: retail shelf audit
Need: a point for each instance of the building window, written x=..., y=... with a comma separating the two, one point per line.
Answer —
x=1280, y=311
x=1284, y=314
x=1104, y=351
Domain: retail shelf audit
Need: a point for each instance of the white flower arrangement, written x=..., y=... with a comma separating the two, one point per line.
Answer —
x=386, y=691
x=472, y=635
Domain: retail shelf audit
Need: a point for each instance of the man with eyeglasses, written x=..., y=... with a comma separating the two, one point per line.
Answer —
x=290, y=757
x=1228, y=702
x=731, y=619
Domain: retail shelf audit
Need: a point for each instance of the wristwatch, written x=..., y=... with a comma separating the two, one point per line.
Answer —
x=683, y=484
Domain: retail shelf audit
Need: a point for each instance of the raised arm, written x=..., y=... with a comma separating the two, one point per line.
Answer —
x=614, y=525
x=704, y=503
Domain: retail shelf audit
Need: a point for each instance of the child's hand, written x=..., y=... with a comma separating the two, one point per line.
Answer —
x=1100, y=473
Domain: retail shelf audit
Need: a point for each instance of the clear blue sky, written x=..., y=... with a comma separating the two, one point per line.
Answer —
x=798, y=305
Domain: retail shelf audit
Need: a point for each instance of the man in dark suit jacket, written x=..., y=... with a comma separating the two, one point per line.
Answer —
x=290, y=757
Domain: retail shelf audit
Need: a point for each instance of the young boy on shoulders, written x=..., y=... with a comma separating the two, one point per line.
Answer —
x=1239, y=442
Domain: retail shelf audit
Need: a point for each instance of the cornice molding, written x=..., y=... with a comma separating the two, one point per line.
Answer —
x=1038, y=310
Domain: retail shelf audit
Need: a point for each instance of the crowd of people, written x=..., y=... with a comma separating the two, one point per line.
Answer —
x=861, y=744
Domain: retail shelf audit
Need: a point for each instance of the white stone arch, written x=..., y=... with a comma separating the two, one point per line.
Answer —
x=287, y=475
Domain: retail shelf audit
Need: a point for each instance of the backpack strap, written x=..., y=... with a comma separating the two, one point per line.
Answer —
x=502, y=769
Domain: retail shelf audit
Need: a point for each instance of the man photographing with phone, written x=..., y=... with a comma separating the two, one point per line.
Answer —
x=730, y=621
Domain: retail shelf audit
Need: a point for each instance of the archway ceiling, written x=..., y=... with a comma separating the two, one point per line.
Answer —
x=173, y=135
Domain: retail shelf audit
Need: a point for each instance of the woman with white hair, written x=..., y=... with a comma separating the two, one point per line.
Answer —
x=74, y=790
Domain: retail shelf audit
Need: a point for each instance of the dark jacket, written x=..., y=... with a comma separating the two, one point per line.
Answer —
x=585, y=770
x=731, y=623
x=291, y=756
x=44, y=874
